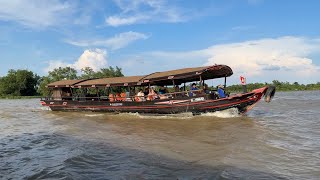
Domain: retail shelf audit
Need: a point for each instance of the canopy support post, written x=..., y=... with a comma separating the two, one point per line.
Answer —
x=175, y=95
x=97, y=92
x=201, y=86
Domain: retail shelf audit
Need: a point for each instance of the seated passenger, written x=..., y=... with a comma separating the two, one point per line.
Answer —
x=206, y=89
x=111, y=97
x=123, y=96
x=162, y=90
x=193, y=88
x=140, y=96
x=118, y=97
x=152, y=94
x=221, y=91
x=176, y=88
x=146, y=91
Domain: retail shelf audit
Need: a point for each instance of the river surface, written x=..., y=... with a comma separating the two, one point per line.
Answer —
x=279, y=140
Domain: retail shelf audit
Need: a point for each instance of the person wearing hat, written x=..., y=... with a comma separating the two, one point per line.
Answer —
x=221, y=91
x=193, y=90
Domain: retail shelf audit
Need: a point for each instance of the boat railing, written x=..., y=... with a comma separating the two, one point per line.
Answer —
x=115, y=98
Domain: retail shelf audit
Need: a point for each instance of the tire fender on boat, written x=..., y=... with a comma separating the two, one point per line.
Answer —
x=269, y=93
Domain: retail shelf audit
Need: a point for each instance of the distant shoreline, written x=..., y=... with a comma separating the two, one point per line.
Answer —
x=20, y=97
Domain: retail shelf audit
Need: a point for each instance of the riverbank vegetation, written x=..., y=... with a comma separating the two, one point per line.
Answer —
x=280, y=86
x=26, y=84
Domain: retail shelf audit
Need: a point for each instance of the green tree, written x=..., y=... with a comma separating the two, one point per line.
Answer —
x=109, y=72
x=87, y=73
x=63, y=73
x=19, y=83
x=42, y=89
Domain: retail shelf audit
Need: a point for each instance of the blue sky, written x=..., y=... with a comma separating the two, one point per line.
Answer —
x=260, y=39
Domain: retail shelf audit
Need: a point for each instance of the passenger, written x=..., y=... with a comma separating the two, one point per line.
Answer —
x=123, y=96
x=127, y=92
x=146, y=91
x=152, y=94
x=221, y=91
x=177, y=91
x=111, y=97
x=140, y=96
x=206, y=89
x=162, y=90
x=176, y=88
x=193, y=88
x=118, y=97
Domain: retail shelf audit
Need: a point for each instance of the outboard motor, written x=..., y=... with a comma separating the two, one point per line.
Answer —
x=269, y=93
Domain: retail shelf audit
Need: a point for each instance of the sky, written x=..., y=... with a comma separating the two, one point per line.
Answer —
x=262, y=40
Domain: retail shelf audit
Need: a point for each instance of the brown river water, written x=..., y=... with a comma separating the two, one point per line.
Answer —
x=279, y=140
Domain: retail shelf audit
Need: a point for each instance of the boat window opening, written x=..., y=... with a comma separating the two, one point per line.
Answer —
x=97, y=93
x=82, y=94
x=56, y=94
x=66, y=93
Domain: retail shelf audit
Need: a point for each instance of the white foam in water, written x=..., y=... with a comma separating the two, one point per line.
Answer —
x=160, y=116
x=228, y=113
x=168, y=116
x=93, y=115
x=41, y=108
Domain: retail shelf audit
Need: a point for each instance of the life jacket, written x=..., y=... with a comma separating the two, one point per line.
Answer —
x=123, y=96
x=137, y=98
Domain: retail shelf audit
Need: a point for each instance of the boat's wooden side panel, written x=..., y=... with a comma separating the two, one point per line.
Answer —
x=169, y=106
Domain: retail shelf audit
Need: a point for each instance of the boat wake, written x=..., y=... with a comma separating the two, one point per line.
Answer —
x=159, y=116
x=94, y=115
x=42, y=108
x=228, y=113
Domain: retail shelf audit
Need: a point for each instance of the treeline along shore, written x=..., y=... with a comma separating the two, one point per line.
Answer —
x=23, y=83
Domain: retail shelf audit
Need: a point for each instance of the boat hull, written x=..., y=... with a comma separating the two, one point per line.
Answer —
x=196, y=105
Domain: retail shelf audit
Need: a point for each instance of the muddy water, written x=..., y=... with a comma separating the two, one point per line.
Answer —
x=280, y=140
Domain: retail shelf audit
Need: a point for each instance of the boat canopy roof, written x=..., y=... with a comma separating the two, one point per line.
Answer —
x=114, y=81
x=188, y=75
x=65, y=83
x=158, y=78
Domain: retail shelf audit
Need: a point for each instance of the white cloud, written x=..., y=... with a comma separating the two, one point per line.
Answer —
x=285, y=55
x=34, y=13
x=95, y=58
x=141, y=11
x=118, y=21
x=117, y=42
x=284, y=58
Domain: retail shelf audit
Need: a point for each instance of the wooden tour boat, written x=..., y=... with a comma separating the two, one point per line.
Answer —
x=118, y=94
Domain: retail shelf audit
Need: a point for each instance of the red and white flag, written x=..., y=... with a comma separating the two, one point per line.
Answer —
x=243, y=80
